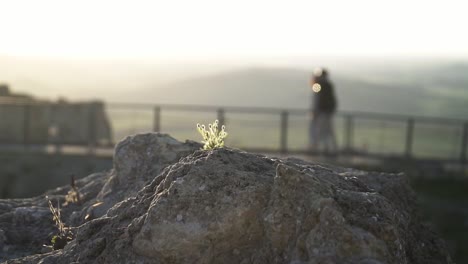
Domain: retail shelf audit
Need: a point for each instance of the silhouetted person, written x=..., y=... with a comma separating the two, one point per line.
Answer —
x=323, y=107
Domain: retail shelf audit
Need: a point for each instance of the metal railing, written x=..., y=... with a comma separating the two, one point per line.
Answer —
x=414, y=137
x=262, y=129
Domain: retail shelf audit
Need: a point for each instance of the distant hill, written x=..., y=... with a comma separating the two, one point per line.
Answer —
x=435, y=88
x=84, y=79
x=284, y=87
x=250, y=87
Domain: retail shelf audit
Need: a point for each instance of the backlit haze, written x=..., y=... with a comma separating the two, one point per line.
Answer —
x=149, y=50
x=229, y=29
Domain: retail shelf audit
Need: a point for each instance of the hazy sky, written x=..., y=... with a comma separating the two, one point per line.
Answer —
x=173, y=29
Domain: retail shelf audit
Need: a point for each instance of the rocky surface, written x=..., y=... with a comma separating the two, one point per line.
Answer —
x=169, y=202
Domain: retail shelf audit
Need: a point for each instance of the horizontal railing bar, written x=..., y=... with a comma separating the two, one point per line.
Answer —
x=22, y=101
x=398, y=117
x=208, y=108
x=292, y=111
x=240, y=109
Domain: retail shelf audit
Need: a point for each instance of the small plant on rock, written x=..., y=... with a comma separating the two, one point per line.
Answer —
x=73, y=196
x=64, y=235
x=212, y=138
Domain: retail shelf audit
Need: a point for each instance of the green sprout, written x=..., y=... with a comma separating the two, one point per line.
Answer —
x=212, y=138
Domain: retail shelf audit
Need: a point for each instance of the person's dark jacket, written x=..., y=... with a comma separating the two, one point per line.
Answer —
x=324, y=100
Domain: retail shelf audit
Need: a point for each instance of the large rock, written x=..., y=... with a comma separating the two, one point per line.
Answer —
x=229, y=206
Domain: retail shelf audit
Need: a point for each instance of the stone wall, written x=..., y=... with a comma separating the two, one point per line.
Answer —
x=52, y=122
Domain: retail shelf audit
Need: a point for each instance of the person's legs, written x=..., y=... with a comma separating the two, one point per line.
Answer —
x=333, y=144
x=316, y=133
x=321, y=131
x=312, y=131
x=325, y=131
x=330, y=139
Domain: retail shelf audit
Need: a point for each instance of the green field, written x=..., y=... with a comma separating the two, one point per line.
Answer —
x=246, y=130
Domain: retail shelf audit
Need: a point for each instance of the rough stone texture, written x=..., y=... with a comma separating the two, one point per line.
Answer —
x=27, y=223
x=167, y=202
x=137, y=160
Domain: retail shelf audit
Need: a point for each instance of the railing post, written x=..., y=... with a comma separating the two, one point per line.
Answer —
x=220, y=114
x=157, y=119
x=409, y=137
x=284, y=132
x=464, y=143
x=26, y=124
x=349, y=130
x=92, y=128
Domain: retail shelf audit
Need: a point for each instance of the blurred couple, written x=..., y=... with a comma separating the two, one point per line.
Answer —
x=324, y=104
